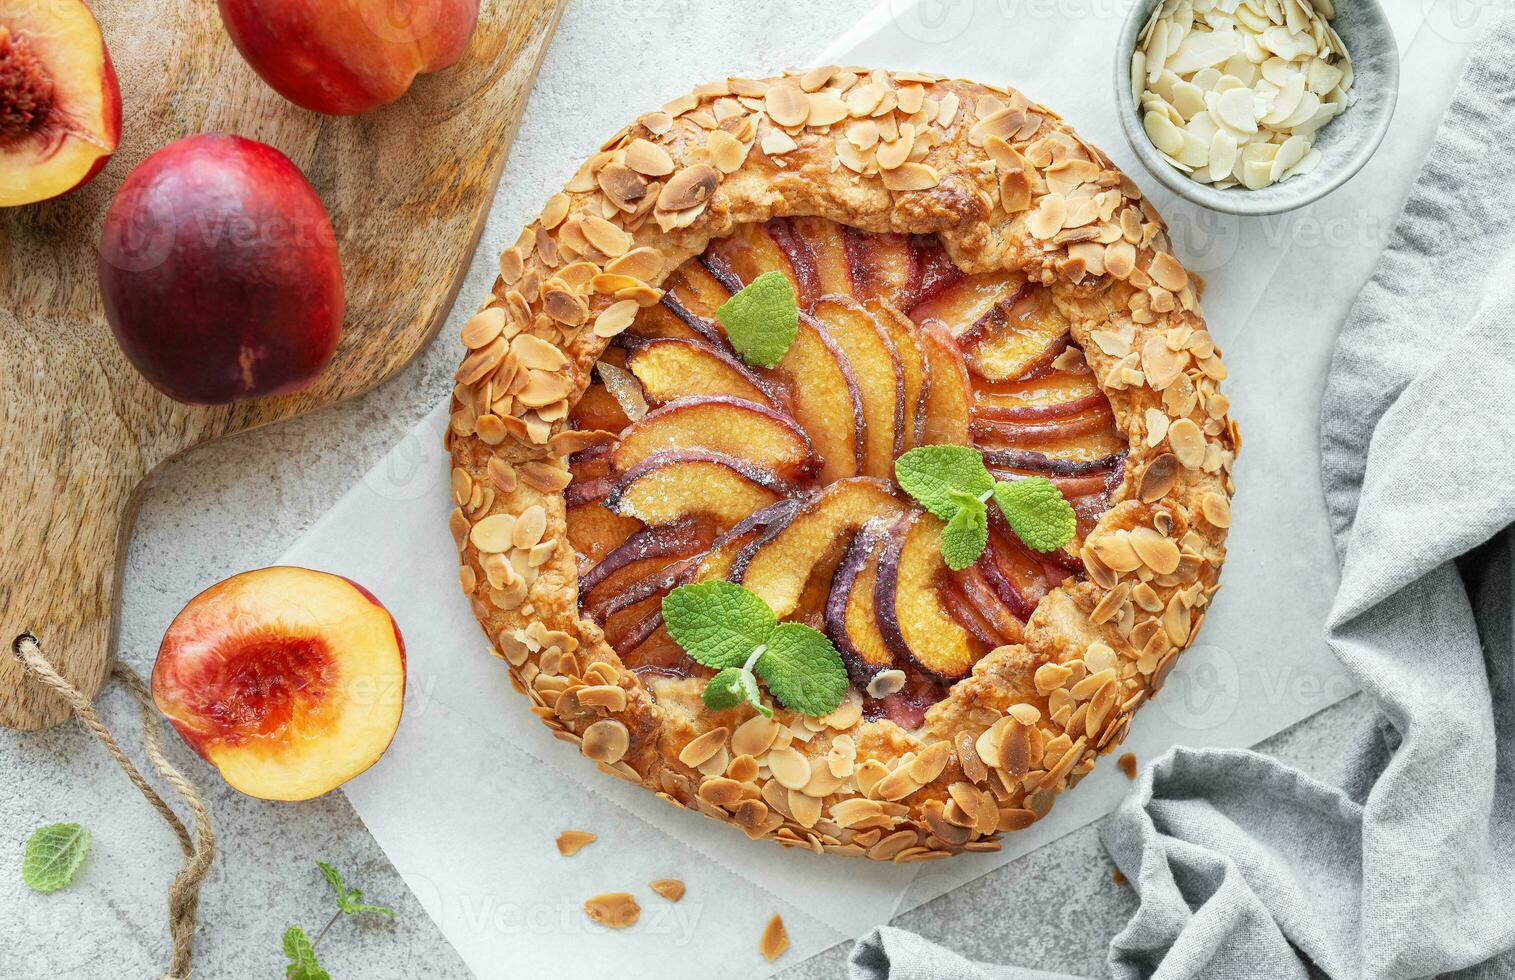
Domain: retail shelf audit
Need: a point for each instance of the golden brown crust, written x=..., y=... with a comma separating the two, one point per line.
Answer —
x=1004, y=183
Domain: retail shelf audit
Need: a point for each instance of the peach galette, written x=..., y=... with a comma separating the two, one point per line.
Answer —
x=842, y=455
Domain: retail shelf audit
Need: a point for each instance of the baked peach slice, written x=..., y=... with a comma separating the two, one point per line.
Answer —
x=999, y=617
x=595, y=531
x=851, y=611
x=966, y=301
x=825, y=400
x=1016, y=337
x=672, y=486
x=597, y=408
x=753, y=249
x=1043, y=431
x=779, y=564
x=967, y=615
x=915, y=622
x=666, y=319
x=671, y=368
x=1053, y=396
x=827, y=243
x=1087, y=437
x=643, y=554
x=883, y=266
x=880, y=380
x=914, y=370
x=289, y=681
x=650, y=642
x=721, y=424
x=692, y=292
x=937, y=270
x=60, y=104
x=949, y=391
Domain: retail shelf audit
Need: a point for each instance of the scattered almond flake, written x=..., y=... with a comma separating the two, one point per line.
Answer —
x=670, y=888
x=571, y=842
x=1188, y=442
x=826, y=109
x=726, y=151
x=776, y=142
x=688, y=188
x=787, y=105
x=911, y=177
x=774, y=941
x=648, y=158
x=483, y=327
x=885, y=683
x=1157, y=426
x=615, y=318
x=1233, y=94
x=615, y=910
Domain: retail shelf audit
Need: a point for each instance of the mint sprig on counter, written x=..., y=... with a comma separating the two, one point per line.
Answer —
x=301, y=950
x=953, y=483
x=349, y=900
x=762, y=319
x=731, y=630
x=53, y=855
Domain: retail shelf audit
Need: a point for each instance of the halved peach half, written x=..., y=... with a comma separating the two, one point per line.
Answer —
x=289, y=681
x=60, y=104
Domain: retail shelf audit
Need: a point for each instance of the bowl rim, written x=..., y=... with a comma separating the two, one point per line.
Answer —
x=1226, y=201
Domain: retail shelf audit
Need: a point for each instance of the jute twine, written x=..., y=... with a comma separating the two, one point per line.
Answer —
x=199, y=849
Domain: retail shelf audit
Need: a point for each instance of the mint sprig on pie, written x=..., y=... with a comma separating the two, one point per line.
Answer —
x=732, y=630
x=953, y=483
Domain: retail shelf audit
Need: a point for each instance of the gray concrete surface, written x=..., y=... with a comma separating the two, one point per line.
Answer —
x=239, y=504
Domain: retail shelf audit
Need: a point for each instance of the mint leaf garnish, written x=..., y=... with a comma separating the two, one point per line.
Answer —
x=717, y=623
x=302, y=957
x=53, y=855
x=762, y=319
x=967, y=533
x=350, y=901
x=803, y=670
x=724, y=690
x=731, y=687
x=1037, y=512
x=953, y=483
x=931, y=473
x=731, y=629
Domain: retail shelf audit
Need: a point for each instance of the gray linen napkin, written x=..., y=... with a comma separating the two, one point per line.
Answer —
x=1249, y=869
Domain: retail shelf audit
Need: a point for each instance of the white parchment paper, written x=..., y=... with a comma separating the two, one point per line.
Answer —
x=471, y=795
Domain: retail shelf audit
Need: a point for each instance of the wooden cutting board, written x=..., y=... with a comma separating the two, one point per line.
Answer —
x=408, y=187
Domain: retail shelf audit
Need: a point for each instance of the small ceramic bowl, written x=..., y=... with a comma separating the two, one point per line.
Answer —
x=1345, y=143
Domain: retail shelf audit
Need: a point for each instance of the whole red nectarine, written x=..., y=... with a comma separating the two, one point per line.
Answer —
x=289, y=681
x=220, y=273
x=60, y=105
x=348, y=56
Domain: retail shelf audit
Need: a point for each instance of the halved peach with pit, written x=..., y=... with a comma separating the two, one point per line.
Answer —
x=60, y=104
x=289, y=681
